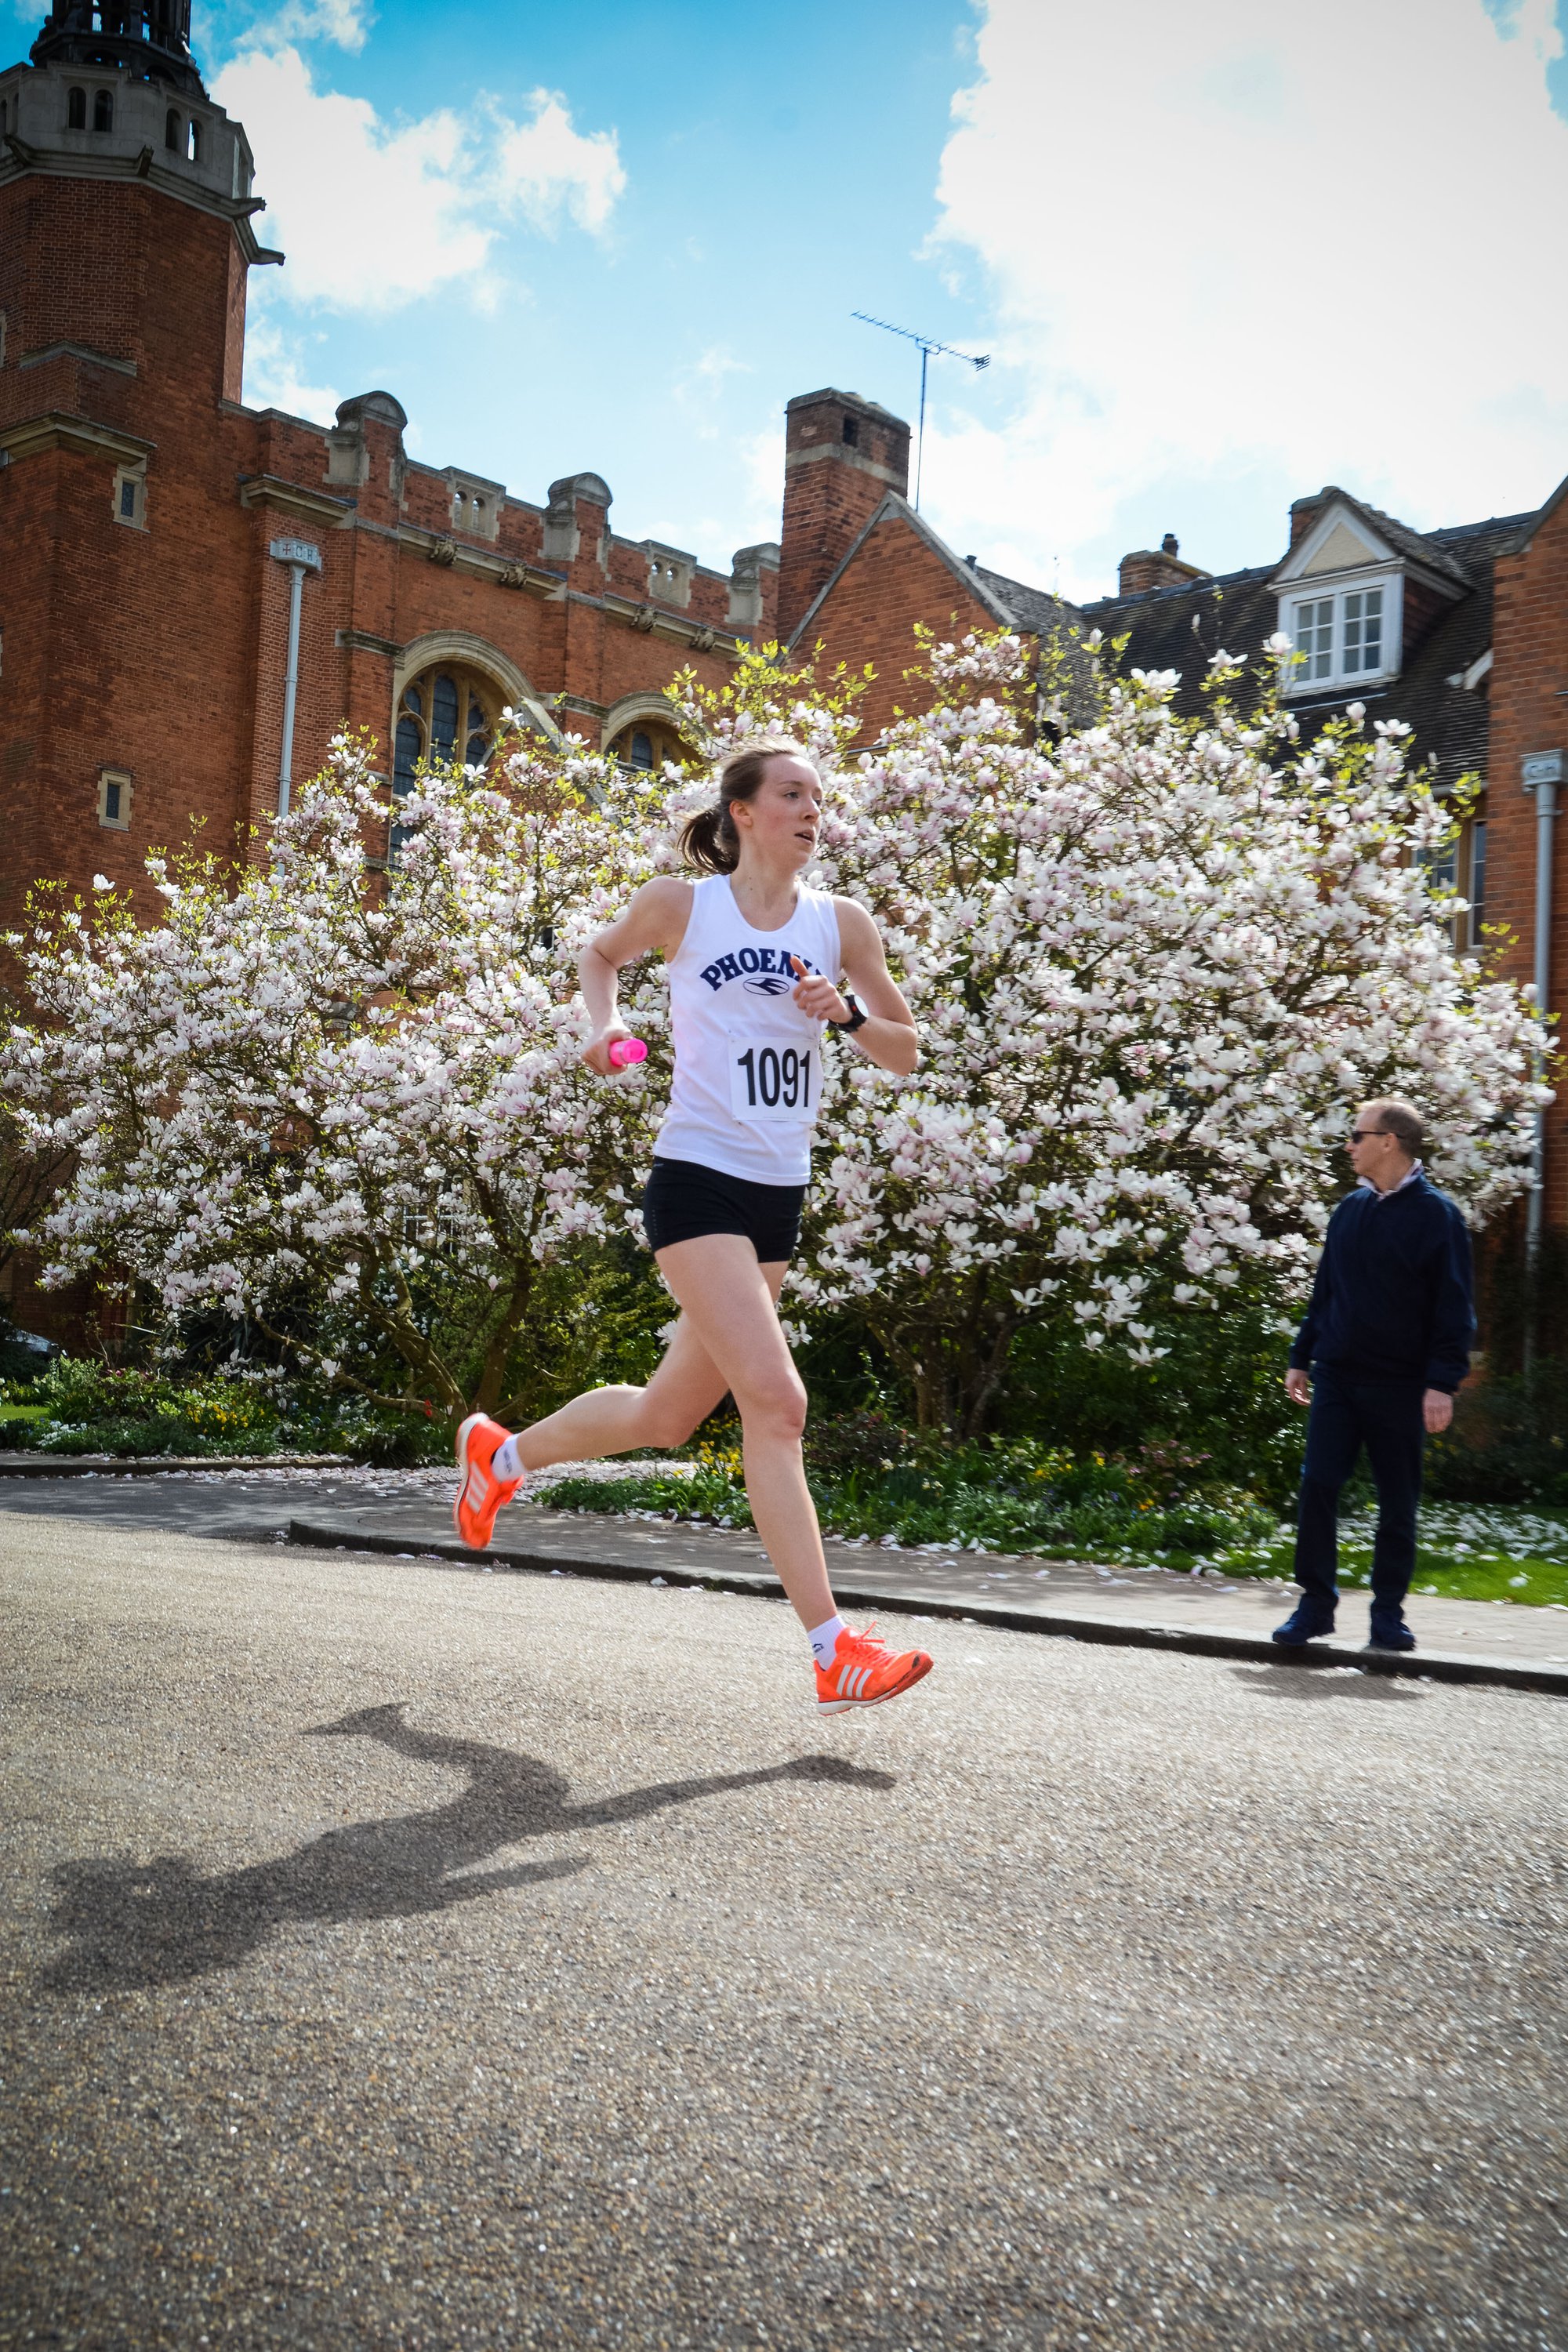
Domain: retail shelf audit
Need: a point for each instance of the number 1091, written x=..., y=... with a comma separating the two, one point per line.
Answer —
x=776, y=1079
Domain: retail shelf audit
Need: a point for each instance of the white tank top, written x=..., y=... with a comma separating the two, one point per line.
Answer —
x=748, y=1061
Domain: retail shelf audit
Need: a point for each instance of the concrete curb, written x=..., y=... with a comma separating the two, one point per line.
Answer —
x=1422, y=1665
x=156, y=1466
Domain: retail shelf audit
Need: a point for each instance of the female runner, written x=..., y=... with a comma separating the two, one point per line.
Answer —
x=755, y=961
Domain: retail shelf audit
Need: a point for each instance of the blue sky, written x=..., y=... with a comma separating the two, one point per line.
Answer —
x=1219, y=254
x=779, y=168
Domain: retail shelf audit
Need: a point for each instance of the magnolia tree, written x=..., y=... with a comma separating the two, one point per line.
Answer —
x=331, y=1103
x=1155, y=962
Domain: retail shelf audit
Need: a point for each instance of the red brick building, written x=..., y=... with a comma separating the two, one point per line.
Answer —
x=194, y=593
x=1461, y=632
x=173, y=559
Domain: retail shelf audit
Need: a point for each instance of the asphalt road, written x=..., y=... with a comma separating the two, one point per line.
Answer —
x=398, y=1956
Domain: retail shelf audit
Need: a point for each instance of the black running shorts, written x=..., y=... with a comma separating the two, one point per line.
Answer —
x=685, y=1200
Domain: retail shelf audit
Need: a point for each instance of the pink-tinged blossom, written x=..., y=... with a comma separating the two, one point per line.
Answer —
x=1156, y=962
x=306, y=1078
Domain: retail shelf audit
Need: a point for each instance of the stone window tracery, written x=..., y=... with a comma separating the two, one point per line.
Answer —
x=446, y=713
x=645, y=745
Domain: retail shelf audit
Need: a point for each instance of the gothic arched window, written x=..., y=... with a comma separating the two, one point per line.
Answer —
x=445, y=714
x=646, y=745
x=76, y=110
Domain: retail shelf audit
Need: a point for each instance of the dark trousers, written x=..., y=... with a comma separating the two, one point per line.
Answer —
x=1386, y=1418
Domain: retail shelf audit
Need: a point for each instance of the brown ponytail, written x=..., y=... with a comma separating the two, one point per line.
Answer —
x=709, y=840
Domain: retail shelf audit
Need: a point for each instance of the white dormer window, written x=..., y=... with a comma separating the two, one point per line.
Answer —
x=1340, y=637
x=1342, y=597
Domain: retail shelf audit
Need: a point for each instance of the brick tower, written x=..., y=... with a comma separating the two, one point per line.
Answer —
x=842, y=455
x=125, y=241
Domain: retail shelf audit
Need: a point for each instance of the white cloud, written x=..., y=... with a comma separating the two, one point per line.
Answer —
x=547, y=167
x=369, y=216
x=698, y=389
x=1232, y=253
x=275, y=374
x=345, y=23
x=372, y=215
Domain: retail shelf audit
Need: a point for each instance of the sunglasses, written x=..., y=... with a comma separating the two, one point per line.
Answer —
x=1359, y=1134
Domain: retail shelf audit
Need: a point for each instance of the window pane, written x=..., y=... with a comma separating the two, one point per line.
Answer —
x=642, y=750
x=408, y=756
x=1442, y=869
x=414, y=701
x=443, y=716
x=1478, y=893
x=1371, y=649
x=1323, y=637
x=477, y=752
x=111, y=801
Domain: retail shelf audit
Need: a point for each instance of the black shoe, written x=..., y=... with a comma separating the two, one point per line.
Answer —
x=1397, y=1636
x=1303, y=1624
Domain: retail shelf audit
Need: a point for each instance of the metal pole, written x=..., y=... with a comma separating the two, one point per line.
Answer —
x=291, y=685
x=920, y=437
x=1545, y=811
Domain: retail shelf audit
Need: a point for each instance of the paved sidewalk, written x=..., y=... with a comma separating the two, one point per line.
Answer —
x=1207, y=1613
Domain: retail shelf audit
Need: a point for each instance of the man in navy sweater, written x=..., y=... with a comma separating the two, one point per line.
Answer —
x=1386, y=1341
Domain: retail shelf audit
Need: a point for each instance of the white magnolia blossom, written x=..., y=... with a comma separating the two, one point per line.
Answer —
x=1156, y=963
x=305, y=1085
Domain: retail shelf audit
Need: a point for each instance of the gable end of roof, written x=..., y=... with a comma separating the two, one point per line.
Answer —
x=893, y=508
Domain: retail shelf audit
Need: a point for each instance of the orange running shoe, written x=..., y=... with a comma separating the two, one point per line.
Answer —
x=480, y=1494
x=865, y=1672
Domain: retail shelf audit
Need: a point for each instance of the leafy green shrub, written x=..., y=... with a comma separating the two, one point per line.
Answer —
x=870, y=1478
x=1508, y=1442
x=92, y=1409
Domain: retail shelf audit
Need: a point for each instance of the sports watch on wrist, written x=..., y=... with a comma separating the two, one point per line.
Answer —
x=859, y=1016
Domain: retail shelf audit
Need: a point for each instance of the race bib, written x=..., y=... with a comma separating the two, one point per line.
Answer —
x=775, y=1082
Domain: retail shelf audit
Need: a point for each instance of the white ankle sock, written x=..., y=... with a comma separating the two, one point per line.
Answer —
x=823, y=1640
x=504, y=1461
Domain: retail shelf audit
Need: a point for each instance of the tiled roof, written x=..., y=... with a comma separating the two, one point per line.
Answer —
x=1032, y=608
x=1417, y=547
x=1239, y=610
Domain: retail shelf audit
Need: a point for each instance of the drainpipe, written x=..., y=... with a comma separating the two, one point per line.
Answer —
x=301, y=557
x=1543, y=773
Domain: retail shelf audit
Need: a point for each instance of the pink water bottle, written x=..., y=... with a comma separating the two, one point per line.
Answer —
x=626, y=1050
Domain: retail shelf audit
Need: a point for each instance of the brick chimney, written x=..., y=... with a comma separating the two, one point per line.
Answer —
x=1156, y=567
x=1304, y=512
x=842, y=455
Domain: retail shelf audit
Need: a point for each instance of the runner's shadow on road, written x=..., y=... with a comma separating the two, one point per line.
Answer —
x=1294, y=1679
x=135, y=1926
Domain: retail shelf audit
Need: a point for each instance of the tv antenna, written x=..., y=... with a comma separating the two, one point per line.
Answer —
x=928, y=344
